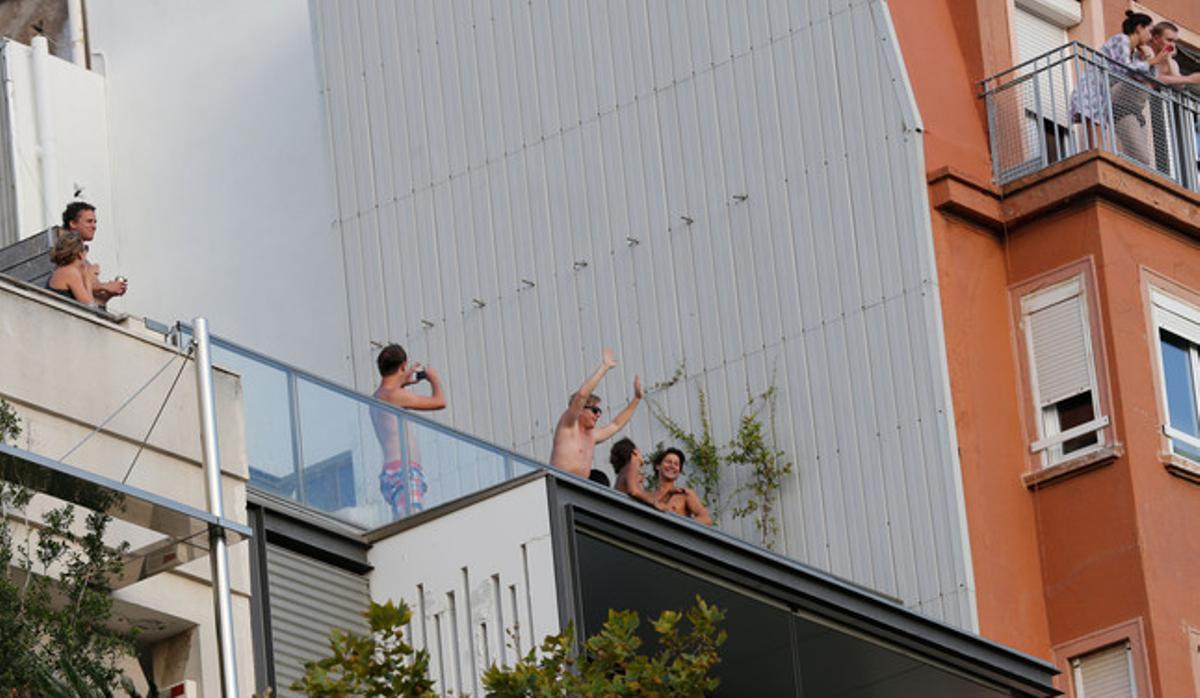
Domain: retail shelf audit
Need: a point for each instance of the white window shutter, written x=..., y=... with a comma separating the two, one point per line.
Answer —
x=1059, y=343
x=1035, y=35
x=1107, y=673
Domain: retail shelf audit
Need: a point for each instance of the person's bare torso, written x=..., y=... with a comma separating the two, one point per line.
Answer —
x=573, y=449
x=675, y=501
x=387, y=428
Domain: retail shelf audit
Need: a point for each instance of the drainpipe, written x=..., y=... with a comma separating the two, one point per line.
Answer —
x=75, y=33
x=218, y=553
x=47, y=149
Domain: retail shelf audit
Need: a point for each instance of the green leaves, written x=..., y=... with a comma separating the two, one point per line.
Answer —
x=612, y=665
x=379, y=664
x=752, y=448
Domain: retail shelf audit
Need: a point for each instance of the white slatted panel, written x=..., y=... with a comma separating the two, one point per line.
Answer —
x=1105, y=674
x=308, y=599
x=1035, y=35
x=1059, y=348
x=726, y=217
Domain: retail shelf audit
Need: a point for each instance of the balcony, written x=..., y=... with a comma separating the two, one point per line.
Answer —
x=1072, y=100
x=313, y=443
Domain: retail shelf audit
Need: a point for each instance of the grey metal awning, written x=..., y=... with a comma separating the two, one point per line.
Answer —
x=185, y=529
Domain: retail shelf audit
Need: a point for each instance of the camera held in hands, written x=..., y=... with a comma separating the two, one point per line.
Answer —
x=420, y=375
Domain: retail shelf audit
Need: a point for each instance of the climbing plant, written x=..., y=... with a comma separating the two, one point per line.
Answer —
x=751, y=448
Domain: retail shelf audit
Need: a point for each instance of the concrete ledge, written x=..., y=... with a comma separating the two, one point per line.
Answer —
x=1076, y=466
x=1095, y=174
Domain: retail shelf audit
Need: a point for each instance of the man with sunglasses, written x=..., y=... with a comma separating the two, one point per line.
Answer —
x=576, y=435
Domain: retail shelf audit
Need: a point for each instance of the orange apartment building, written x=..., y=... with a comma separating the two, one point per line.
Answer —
x=1071, y=300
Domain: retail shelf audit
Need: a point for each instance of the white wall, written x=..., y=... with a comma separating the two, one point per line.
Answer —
x=221, y=200
x=473, y=583
x=748, y=196
x=79, y=120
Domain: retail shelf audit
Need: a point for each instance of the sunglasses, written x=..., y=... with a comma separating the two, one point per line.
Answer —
x=594, y=410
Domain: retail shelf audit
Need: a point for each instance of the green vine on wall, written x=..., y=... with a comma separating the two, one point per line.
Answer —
x=752, y=447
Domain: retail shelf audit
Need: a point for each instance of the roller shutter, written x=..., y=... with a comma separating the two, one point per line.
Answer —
x=308, y=598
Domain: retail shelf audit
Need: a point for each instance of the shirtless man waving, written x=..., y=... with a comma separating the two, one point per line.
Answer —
x=576, y=435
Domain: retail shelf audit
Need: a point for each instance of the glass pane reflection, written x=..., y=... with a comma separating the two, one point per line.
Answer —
x=1180, y=388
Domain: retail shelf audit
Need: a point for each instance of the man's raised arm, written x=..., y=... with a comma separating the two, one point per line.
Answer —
x=624, y=415
x=579, y=399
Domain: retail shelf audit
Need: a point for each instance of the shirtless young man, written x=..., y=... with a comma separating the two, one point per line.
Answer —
x=576, y=435
x=396, y=375
x=1163, y=37
x=677, y=500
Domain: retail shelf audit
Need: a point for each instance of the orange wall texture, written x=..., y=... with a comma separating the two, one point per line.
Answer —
x=1108, y=545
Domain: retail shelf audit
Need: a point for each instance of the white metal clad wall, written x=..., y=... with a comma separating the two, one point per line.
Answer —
x=486, y=599
x=308, y=598
x=520, y=184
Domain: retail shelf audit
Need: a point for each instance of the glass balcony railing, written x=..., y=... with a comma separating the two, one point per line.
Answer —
x=347, y=455
x=1073, y=99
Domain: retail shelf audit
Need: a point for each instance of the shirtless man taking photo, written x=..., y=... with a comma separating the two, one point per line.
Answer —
x=576, y=435
x=401, y=483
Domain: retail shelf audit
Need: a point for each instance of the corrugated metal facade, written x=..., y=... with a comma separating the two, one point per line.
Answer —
x=734, y=185
x=308, y=599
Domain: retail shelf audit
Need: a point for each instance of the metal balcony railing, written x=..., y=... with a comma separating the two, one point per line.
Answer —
x=1073, y=99
x=316, y=443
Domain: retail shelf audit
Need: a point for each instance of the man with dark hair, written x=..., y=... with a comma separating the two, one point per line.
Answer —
x=80, y=217
x=626, y=460
x=678, y=500
x=576, y=435
x=402, y=483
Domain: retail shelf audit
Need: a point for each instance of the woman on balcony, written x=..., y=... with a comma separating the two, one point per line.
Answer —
x=1128, y=75
x=71, y=277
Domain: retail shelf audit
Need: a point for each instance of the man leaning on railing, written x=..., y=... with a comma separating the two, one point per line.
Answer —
x=1163, y=38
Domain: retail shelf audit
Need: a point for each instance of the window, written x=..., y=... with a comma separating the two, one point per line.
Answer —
x=1178, y=328
x=1062, y=372
x=1105, y=673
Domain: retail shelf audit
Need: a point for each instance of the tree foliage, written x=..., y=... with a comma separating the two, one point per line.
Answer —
x=611, y=663
x=55, y=597
x=378, y=664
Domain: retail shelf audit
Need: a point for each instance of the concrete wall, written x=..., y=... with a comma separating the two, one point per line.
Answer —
x=491, y=602
x=221, y=200
x=65, y=372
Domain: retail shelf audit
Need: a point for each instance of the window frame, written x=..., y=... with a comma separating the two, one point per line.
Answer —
x=1077, y=667
x=1181, y=318
x=1031, y=296
x=1130, y=632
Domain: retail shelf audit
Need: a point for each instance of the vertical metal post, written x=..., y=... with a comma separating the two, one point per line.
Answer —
x=218, y=553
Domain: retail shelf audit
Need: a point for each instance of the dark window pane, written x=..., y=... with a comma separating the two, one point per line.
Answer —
x=1071, y=413
x=770, y=650
x=756, y=660
x=1181, y=394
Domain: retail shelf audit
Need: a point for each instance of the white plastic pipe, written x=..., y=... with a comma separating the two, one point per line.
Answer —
x=75, y=33
x=46, y=146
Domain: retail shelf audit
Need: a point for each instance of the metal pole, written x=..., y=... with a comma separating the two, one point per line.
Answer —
x=47, y=144
x=218, y=552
